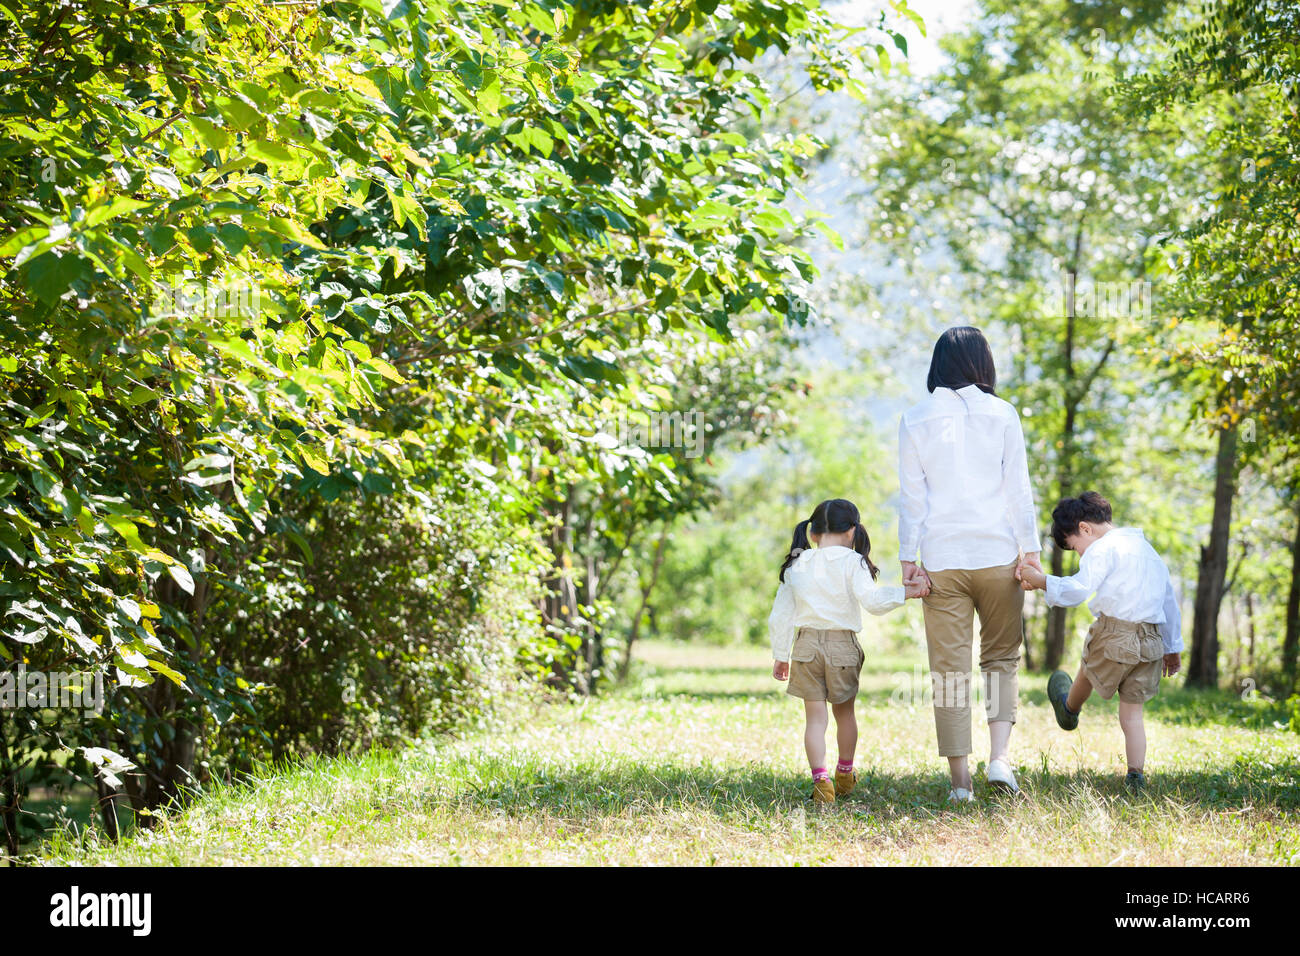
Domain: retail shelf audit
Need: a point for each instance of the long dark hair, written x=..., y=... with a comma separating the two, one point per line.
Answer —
x=833, y=516
x=962, y=357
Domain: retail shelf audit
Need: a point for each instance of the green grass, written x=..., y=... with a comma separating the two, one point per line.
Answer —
x=699, y=760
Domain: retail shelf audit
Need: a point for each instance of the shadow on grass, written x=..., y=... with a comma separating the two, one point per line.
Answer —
x=740, y=794
x=730, y=793
x=1173, y=705
x=1177, y=705
x=713, y=695
x=662, y=672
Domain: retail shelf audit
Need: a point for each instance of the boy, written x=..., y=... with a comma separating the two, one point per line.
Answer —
x=1137, y=635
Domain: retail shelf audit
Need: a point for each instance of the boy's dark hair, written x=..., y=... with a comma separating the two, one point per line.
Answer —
x=835, y=515
x=1089, y=506
x=962, y=357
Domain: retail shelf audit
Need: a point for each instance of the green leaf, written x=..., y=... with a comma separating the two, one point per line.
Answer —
x=209, y=134
x=315, y=459
x=489, y=97
x=238, y=112
x=386, y=370
x=273, y=154
x=112, y=209
x=24, y=237
x=293, y=231
x=165, y=179
x=181, y=575
x=141, y=394
x=172, y=675
x=51, y=275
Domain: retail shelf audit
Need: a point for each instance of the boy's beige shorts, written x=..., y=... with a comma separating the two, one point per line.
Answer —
x=1123, y=656
x=825, y=664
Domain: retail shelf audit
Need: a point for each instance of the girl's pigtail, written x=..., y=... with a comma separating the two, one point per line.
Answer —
x=798, y=545
x=862, y=545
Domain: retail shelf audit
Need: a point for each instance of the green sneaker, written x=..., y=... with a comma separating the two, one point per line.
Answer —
x=1135, y=781
x=1058, y=688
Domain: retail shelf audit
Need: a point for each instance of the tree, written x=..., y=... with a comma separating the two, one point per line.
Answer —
x=448, y=230
x=1238, y=68
x=1048, y=199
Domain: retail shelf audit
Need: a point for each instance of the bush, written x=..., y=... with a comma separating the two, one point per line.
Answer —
x=393, y=619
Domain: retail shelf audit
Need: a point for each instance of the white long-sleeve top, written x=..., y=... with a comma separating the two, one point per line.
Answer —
x=1130, y=582
x=826, y=587
x=966, y=501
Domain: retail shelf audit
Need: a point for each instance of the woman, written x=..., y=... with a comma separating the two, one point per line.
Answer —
x=967, y=507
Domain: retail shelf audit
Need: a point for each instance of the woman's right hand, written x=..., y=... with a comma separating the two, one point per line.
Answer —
x=918, y=588
x=914, y=574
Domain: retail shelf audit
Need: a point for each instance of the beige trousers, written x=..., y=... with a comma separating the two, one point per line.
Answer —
x=955, y=596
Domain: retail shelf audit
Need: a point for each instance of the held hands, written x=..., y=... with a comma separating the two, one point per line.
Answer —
x=916, y=583
x=781, y=670
x=1029, y=572
x=1173, y=662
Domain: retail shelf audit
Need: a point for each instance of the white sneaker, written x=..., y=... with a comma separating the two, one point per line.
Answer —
x=960, y=795
x=1000, y=775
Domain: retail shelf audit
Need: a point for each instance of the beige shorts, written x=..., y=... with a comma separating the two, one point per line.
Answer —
x=825, y=665
x=1123, y=656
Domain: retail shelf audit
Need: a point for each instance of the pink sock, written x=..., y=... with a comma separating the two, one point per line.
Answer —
x=845, y=766
x=819, y=773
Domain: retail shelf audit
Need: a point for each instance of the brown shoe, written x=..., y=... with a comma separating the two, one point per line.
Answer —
x=845, y=782
x=823, y=792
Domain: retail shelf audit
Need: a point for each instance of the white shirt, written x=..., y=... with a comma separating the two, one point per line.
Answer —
x=965, y=501
x=1131, y=583
x=824, y=587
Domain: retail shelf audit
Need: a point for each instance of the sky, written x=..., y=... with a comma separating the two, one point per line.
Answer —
x=940, y=16
x=875, y=328
x=929, y=309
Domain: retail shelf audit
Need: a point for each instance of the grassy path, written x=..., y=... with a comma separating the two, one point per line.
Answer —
x=698, y=760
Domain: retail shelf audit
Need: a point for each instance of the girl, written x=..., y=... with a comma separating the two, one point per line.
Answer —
x=813, y=627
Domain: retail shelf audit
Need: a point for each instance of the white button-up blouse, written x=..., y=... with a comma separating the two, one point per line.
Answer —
x=826, y=587
x=966, y=501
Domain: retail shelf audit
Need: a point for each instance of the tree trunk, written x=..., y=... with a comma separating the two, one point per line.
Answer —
x=595, y=647
x=1238, y=643
x=1250, y=621
x=1055, y=648
x=9, y=793
x=560, y=603
x=1025, y=648
x=1292, y=638
x=1055, y=645
x=1203, y=665
x=646, y=590
x=108, y=808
